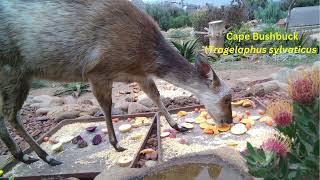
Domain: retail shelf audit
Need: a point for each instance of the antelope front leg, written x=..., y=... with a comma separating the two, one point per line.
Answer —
x=12, y=146
x=14, y=93
x=103, y=93
x=150, y=88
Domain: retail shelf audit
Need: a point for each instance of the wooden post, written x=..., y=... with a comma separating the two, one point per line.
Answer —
x=215, y=33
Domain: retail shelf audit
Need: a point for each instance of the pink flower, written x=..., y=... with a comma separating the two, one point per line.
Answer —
x=281, y=113
x=278, y=145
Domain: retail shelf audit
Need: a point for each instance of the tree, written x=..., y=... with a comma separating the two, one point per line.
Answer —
x=289, y=13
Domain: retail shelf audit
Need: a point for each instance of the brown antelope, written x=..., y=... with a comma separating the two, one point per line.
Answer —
x=99, y=41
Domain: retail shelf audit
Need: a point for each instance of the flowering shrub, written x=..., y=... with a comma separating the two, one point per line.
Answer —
x=293, y=153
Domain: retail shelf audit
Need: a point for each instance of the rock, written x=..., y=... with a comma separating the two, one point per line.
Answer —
x=316, y=65
x=146, y=102
x=86, y=101
x=264, y=88
x=123, y=106
x=67, y=115
x=135, y=107
x=69, y=100
x=46, y=101
x=84, y=114
x=91, y=110
x=57, y=147
x=284, y=74
x=98, y=114
x=42, y=111
x=242, y=82
x=283, y=86
x=85, y=117
x=41, y=99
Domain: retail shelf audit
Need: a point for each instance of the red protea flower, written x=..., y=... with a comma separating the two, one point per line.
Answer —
x=281, y=113
x=279, y=145
x=304, y=87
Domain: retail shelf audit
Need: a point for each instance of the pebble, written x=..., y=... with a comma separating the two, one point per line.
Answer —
x=57, y=147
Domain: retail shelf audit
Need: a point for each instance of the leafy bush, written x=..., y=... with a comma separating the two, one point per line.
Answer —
x=252, y=5
x=179, y=33
x=238, y=30
x=294, y=152
x=180, y=21
x=187, y=49
x=167, y=16
x=271, y=14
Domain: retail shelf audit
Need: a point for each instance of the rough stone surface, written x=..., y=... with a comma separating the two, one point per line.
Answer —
x=264, y=88
x=67, y=115
x=135, y=107
x=123, y=106
x=284, y=74
x=42, y=111
x=146, y=102
x=46, y=101
x=316, y=65
x=69, y=100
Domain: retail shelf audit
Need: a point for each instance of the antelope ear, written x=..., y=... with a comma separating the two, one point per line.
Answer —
x=203, y=66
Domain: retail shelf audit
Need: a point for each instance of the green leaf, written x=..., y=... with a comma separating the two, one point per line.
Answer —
x=250, y=160
x=316, y=148
x=253, y=153
x=292, y=175
x=259, y=172
x=283, y=167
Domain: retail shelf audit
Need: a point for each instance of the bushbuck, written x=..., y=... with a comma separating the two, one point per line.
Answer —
x=96, y=41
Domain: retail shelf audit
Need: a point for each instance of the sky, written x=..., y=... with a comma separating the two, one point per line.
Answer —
x=200, y=2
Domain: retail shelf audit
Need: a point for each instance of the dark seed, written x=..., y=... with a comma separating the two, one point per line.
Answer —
x=82, y=144
x=76, y=139
x=97, y=139
x=91, y=128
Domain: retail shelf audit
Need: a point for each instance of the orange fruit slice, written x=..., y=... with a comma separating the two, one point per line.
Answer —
x=208, y=131
x=238, y=103
x=182, y=113
x=224, y=127
x=247, y=103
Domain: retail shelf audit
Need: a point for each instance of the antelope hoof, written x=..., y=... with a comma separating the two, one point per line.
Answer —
x=119, y=148
x=52, y=162
x=28, y=159
x=180, y=129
